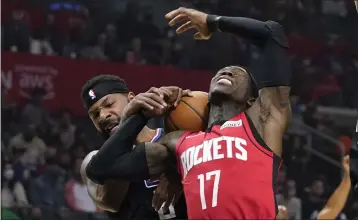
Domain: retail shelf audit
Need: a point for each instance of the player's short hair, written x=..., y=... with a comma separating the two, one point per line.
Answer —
x=120, y=84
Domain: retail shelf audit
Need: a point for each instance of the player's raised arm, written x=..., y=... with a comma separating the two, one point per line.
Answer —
x=338, y=199
x=271, y=112
x=271, y=71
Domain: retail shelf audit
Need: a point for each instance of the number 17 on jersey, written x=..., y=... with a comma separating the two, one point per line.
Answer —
x=212, y=176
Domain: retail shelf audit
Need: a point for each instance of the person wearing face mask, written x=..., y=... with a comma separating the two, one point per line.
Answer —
x=289, y=200
x=66, y=130
x=13, y=193
x=29, y=145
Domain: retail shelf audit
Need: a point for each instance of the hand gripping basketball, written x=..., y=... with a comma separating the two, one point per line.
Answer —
x=153, y=103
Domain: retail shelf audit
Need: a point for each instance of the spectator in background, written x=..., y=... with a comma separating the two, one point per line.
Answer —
x=289, y=200
x=28, y=146
x=16, y=33
x=334, y=8
x=66, y=130
x=13, y=194
x=64, y=160
x=128, y=22
x=76, y=194
x=281, y=181
x=99, y=48
x=113, y=48
x=46, y=193
x=314, y=200
x=34, y=111
x=70, y=48
x=51, y=33
x=148, y=30
x=96, y=52
x=134, y=54
x=40, y=45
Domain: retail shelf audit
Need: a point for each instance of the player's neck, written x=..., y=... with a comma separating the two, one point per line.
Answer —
x=224, y=111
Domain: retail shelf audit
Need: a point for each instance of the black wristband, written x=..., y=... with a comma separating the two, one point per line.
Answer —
x=213, y=23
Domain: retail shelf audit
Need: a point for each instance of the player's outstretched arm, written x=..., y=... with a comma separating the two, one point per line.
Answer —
x=338, y=199
x=117, y=159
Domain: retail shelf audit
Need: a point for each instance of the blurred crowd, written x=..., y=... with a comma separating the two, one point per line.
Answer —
x=42, y=151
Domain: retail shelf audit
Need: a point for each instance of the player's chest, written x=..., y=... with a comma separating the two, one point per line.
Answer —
x=213, y=148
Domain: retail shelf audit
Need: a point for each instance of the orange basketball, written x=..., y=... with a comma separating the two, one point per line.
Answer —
x=190, y=114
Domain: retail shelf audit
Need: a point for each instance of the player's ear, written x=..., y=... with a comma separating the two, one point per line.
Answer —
x=130, y=96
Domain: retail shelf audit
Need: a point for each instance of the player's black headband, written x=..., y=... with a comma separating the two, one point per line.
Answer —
x=102, y=89
x=254, y=87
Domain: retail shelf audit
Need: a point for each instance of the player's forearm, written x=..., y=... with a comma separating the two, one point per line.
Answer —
x=259, y=32
x=116, y=149
x=337, y=200
x=272, y=68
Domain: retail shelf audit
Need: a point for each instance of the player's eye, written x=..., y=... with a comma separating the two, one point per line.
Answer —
x=95, y=115
x=109, y=104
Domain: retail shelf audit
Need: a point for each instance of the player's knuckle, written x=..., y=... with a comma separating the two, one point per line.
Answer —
x=140, y=102
x=153, y=89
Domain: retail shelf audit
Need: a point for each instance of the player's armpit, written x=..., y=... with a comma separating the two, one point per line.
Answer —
x=271, y=114
x=272, y=106
x=274, y=102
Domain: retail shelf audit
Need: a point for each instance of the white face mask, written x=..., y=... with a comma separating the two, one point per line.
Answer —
x=9, y=174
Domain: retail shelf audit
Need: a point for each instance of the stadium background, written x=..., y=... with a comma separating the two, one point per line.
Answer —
x=50, y=48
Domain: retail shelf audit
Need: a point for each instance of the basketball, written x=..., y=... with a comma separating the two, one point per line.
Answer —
x=190, y=114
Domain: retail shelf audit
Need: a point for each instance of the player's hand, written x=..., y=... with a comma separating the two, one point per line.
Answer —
x=176, y=94
x=151, y=103
x=192, y=19
x=345, y=164
x=166, y=193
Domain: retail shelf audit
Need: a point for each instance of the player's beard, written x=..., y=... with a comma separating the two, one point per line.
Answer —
x=104, y=136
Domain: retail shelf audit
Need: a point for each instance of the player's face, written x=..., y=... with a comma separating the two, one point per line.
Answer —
x=107, y=112
x=230, y=83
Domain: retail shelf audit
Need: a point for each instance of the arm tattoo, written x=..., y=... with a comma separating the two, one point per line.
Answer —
x=160, y=155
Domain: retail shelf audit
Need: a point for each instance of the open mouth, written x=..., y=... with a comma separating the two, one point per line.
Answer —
x=224, y=81
x=111, y=128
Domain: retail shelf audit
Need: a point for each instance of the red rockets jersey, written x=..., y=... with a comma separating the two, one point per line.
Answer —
x=228, y=172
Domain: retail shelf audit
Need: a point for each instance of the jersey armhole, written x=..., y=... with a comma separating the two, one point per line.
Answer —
x=255, y=136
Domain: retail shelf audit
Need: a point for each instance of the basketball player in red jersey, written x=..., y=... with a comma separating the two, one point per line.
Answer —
x=229, y=171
